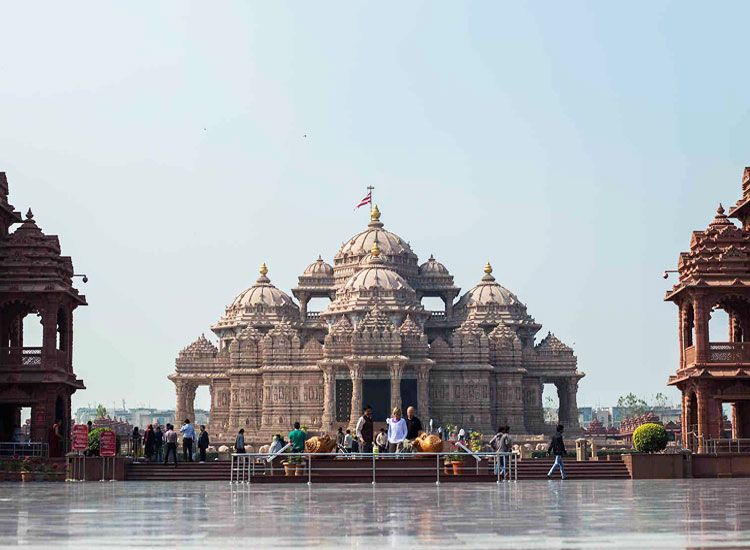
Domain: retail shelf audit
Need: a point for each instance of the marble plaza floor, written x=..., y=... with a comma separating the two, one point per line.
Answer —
x=527, y=514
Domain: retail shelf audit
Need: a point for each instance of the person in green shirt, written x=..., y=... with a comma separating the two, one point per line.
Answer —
x=297, y=439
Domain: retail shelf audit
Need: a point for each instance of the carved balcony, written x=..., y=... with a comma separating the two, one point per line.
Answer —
x=721, y=352
x=20, y=357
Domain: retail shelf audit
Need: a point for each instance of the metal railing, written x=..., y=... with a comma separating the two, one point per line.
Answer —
x=248, y=466
x=713, y=446
x=35, y=449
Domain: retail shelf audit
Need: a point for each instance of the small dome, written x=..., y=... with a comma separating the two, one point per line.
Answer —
x=263, y=293
x=318, y=268
x=551, y=344
x=200, y=348
x=487, y=292
x=376, y=275
x=432, y=267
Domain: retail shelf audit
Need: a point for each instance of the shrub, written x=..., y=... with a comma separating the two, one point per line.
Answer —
x=650, y=438
x=93, y=448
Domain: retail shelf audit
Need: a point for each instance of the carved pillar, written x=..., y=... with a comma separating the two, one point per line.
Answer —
x=329, y=397
x=701, y=314
x=190, y=403
x=396, y=370
x=423, y=392
x=571, y=403
x=681, y=327
x=703, y=414
x=355, y=372
x=49, y=338
x=303, y=299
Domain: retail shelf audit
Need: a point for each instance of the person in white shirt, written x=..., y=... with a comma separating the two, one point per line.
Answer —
x=382, y=441
x=396, y=431
x=188, y=436
x=348, y=441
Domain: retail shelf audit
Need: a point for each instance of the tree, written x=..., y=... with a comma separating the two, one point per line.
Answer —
x=662, y=401
x=632, y=405
x=101, y=411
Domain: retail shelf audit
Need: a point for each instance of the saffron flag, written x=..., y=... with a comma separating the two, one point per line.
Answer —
x=366, y=200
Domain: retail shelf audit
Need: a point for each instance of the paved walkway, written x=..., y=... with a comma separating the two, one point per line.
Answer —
x=531, y=514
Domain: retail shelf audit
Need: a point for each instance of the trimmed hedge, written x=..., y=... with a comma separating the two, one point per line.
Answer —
x=93, y=448
x=650, y=438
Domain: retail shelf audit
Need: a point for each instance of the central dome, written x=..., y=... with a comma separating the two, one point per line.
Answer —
x=397, y=254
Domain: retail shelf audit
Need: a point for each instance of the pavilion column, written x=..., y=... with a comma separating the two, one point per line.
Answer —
x=355, y=372
x=396, y=370
x=702, y=417
x=329, y=397
x=682, y=322
x=423, y=391
x=736, y=431
x=571, y=403
x=303, y=299
x=189, y=403
x=701, y=315
x=49, y=338
x=684, y=423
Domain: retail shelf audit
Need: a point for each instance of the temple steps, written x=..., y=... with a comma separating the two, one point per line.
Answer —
x=220, y=471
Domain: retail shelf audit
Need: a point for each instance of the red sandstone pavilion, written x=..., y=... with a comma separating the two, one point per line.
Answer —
x=35, y=282
x=715, y=274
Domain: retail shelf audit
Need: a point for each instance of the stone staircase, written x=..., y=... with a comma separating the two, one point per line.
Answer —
x=220, y=471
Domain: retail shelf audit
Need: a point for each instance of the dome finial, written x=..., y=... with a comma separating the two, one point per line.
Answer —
x=488, y=269
x=29, y=215
x=720, y=210
x=375, y=249
x=375, y=214
x=263, y=269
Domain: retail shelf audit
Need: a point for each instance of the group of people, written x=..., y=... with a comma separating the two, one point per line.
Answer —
x=390, y=440
x=159, y=445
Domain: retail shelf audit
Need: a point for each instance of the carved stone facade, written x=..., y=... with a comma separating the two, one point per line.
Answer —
x=715, y=369
x=474, y=363
x=35, y=283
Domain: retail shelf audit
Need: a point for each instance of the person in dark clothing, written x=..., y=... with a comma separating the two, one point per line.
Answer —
x=365, y=430
x=413, y=425
x=136, y=442
x=158, y=443
x=202, y=443
x=557, y=447
x=148, y=442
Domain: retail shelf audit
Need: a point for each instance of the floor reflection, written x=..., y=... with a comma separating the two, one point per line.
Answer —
x=528, y=514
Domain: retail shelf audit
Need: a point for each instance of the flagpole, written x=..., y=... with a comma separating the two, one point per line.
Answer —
x=372, y=202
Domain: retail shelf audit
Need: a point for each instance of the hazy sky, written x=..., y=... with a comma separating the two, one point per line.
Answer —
x=574, y=145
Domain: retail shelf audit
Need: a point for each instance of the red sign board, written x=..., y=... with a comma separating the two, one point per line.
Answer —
x=80, y=437
x=107, y=444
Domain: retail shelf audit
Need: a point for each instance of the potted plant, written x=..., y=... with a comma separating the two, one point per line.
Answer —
x=457, y=462
x=13, y=468
x=27, y=470
x=447, y=465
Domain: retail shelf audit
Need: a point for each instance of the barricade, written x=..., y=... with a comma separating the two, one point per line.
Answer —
x=371, y=467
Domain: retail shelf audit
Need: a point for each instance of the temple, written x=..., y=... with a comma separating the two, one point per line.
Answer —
x=35, y=287
x=714, y=369
x=474, y=363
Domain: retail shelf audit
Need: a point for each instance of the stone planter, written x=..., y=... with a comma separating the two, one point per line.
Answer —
x=299, y=469
x=448, y=469
x=27, y=476
x=458, y=468
x=289, y=469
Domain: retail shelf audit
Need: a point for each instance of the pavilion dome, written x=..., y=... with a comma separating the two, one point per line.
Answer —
x=491, y=303
x=432, y=267
x=263, y=293
x=260, y=305
x=396, y=252
x=375, y=274
x=319, y=268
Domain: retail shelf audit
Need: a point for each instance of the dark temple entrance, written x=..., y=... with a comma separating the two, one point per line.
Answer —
x=377, y=394
x=408, y=394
